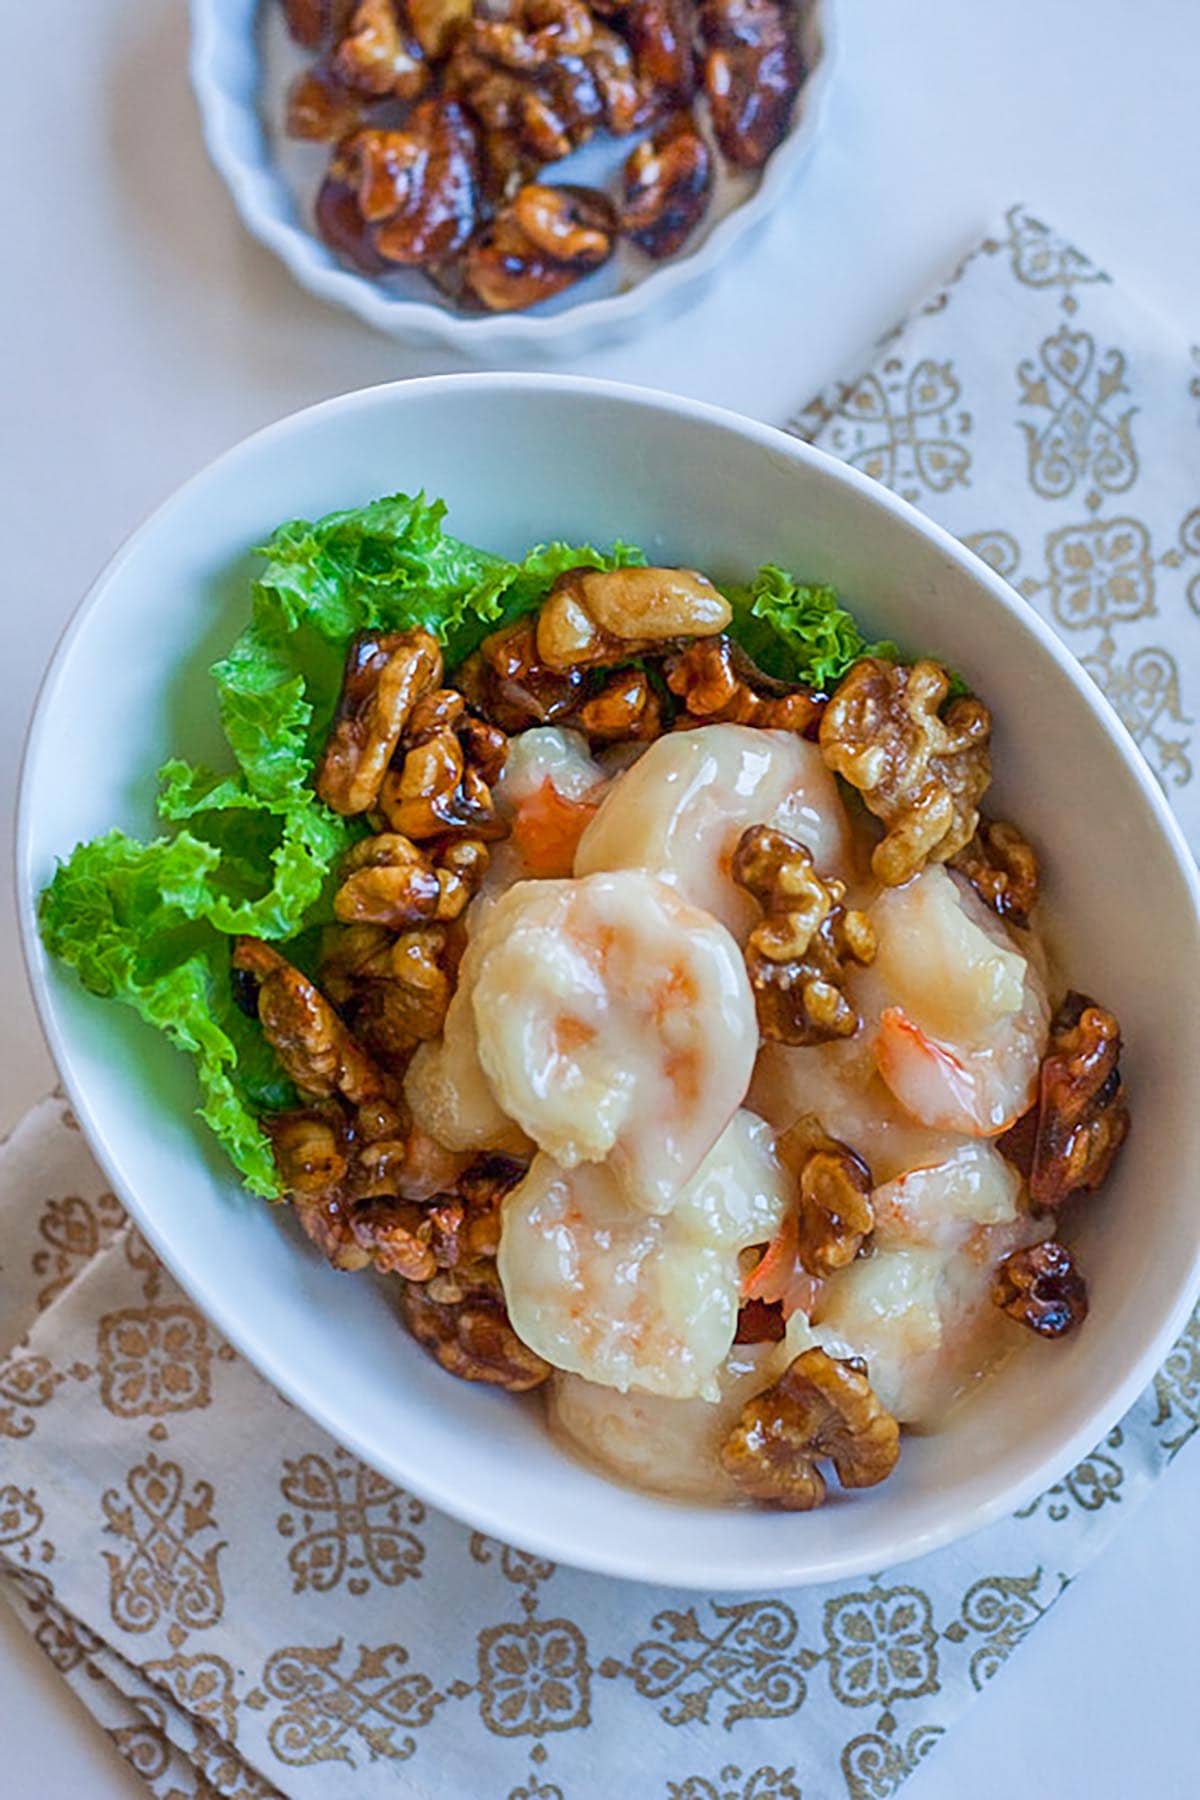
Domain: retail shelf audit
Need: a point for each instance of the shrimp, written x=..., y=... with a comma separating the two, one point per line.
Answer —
x=654, y=1442
x=920, y=1309
x=613, y=1021
x=628, y=1300
x=964, y=1015
x=680, y=810
x=548, y=792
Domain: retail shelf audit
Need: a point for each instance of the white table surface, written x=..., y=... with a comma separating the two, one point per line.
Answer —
x=143, y=333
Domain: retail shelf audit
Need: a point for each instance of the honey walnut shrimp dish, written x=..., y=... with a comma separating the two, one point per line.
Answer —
x=679, y=1039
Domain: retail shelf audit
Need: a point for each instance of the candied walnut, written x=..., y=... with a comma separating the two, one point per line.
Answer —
x=625, y=708
x=593, y=616
x=796, y=958
x=921, y=771
x=443, y=784
x=1041, y=1287
x=666, y=185
x=314, y=1047
x=340, y=222
x=467, y=1221
x=387, y=880
x=718, y=683
x=1002, y=868
x=529, y=80
x=752, y=74
x=310, y=1150
x=611, y=65
x=833, y=1197
x=509, y=684
x=394, y=990
x=378, y=55
x=383, y=678
x=418, y=188
x=462, y=1321
x=324, y=1222
x=660, y=32
x=545, y=239
x=819, y=1410
x=397, y=1236
x=309, y=21
x=1067, y=1143
x=320, y=109
x=437, y=23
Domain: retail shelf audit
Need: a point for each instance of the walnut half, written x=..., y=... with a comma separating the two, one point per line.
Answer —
x=921, y=771
x=1041, y=1287
x=594, y=616
x=1067, y=1143
x=462, y=1321
x=833, y=1197
x=718, y=683
x=1002, y=868
x=819, y=1410
x=384, y=677
x=796, y=958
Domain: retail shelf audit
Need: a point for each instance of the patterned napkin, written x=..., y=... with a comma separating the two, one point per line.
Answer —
x=249, y=1611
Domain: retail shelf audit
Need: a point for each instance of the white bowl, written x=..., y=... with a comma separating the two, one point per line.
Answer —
x=521, y=459
x=241, y=63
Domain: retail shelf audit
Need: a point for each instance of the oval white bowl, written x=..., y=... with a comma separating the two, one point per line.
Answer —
x=521, y=459
x=266, y=177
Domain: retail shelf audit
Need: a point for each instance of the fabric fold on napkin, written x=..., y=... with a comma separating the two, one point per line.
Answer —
x=249, y=1611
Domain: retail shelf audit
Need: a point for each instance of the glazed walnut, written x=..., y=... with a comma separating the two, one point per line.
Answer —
x=625, y=709
x=1002, y=868
x=666, y=184
x=1041, y=1287
x=1067, y=1143
x=833, y=1197
x=379, y=55
x=661, y=33
x=718, y=683
x=797, y=956
x=436, y=24
x=537, y=245
x=462, y=1321
x=316, y=1050
x=819, y=1410
x=416, y=188
x=384, y=677
x=507, y=682
x=528, y=78
x=320, y=109
x=442, y=784
x=387, y=880
x=595, y=616
x=920, y=770
x=394, y=991
x=752, y=74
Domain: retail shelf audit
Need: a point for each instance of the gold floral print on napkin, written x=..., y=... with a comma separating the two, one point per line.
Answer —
x=251, y=1612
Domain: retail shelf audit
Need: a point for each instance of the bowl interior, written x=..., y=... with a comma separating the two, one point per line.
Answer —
x=523, y=459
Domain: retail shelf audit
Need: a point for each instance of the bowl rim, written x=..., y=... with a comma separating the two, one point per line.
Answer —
x=741, y=1572
x=577, y=327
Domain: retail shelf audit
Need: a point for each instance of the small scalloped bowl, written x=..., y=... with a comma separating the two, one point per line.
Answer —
x=523, y=458
x=241, y=61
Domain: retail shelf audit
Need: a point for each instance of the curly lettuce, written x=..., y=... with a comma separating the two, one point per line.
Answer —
x=799, y=632
x=149, y=924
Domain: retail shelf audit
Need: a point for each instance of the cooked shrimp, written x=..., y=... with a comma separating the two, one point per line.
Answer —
x=547, y=794
x=680, y=810
x=654, y=1442
x=599, y=1287
x=919, y=1309
x=841, y=1085
x=964, y=1014
x=613, y=1020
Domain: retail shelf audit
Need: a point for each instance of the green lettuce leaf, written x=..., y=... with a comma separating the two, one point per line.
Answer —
x=799, y=632
x=128, y=918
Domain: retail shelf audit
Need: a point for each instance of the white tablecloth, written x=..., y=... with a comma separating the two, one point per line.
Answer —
x=144, y=333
